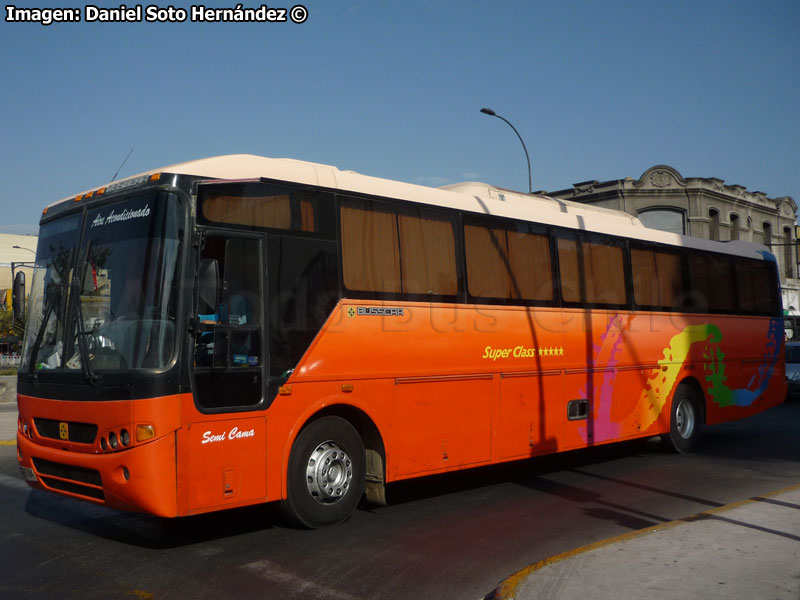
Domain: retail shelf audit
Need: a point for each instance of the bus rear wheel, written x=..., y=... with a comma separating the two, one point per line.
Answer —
x=685, y=418
x=325, y=479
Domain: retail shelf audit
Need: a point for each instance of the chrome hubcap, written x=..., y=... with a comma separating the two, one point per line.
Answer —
x=329, y=473
x=684, y=418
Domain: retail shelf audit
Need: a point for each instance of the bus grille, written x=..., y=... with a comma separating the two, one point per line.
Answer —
x=68, y=478
x=82, y=433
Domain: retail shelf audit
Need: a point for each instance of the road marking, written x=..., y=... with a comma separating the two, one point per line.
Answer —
x=507, y=590
x=271, y=572
x=8, y=442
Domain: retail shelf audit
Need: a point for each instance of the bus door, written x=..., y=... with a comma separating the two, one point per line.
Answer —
x=227, y=444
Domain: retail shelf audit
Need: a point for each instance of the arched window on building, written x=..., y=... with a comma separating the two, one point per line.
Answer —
x=664, y=219
x=788, y=253
x=734, y=226
x=767, y=228
x=713, y=224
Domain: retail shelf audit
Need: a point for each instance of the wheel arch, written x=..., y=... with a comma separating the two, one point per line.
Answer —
x=374, y=446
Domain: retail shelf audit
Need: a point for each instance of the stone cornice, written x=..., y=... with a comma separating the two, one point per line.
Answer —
x=665, y=180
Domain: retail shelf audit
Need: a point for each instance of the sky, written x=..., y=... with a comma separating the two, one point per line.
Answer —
x=597, y=89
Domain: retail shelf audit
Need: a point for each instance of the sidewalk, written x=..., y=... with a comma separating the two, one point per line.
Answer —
x=747, y=550
x=8, y=388
x=8, y=423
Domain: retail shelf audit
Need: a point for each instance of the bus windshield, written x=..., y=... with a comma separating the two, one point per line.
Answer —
x=109, y=301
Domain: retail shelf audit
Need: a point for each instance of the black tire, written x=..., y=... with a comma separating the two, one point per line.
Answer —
x=685, y=420
x=325, y=479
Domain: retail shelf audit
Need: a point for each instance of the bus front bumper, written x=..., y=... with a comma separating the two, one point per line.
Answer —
x=139, y=479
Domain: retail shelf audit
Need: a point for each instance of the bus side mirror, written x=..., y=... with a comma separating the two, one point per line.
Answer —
x=208, y=286
x=18, y=296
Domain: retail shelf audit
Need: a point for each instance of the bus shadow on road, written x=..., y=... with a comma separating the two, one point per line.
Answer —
x=148, y=531
x=519, y=472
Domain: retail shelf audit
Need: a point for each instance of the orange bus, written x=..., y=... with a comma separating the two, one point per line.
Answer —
x=238, y=330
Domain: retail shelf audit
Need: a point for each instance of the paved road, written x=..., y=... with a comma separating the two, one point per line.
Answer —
x=443, y=537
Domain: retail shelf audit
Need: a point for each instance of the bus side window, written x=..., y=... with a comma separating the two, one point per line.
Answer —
x=592, y=271
x=241, y=283
x=228, y=356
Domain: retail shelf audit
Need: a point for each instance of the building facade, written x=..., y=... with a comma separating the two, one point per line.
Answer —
x=704, y=207
x=19, y=250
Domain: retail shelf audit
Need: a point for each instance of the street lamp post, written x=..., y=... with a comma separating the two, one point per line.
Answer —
x=16, y=264
x=23, y=248
x=491, y=113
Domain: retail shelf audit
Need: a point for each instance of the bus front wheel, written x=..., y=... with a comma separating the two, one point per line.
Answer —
x=325, y=479
x=684, y=423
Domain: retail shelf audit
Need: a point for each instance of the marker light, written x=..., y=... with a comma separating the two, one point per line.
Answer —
x=145, y=432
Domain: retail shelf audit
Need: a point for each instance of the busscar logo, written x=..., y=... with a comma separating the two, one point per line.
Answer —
x=375, y=311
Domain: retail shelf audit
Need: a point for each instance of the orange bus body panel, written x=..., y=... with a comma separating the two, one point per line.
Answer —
x=221, y=459
x=446, y=386
x=151, y=468
x=467, y=385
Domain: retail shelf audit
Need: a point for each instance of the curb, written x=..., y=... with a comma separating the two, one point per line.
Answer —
x=508, y=588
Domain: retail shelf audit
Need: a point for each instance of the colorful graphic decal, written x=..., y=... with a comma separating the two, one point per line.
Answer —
x=721, y=394
x=606, y=355
x=662, y=380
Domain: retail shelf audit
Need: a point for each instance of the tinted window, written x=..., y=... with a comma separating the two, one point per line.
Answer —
x=508, y=264
x=757, y=289
x=409, y=250
x=712, y=282
x=228, y=356
x=303, y=289
x=657, y=278
x=792, y=354
x=264, y=206
x=592, y=272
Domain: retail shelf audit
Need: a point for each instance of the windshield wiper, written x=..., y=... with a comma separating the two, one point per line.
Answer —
x=77, y=317
x=80, y=336
x=54, y=297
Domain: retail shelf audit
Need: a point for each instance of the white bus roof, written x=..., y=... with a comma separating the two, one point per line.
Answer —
x=471, y=196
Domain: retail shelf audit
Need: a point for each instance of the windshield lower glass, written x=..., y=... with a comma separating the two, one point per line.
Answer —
x=109, y=303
